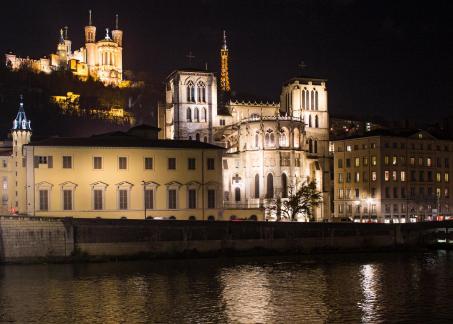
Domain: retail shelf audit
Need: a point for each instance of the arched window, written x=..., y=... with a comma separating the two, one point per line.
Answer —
x=197, y=137
x=316, y=121
x=266, y=137
x=315, y=146
x=316, y=100
x=196, y=116
x=203, y=114
x=312, y=100
x=237, y=194
x=303, y=98
x=189, y=114
x=257, y=185
x=190, y=92
x=309, y=120
x=296, y=137
x=284, y=186
x=284, y=137
x=272, y=139
x=201, y=92
x=257, y=140
x=270, y=186
x=310, y=145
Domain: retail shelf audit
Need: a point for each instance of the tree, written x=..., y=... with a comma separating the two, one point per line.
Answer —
x=303, y=201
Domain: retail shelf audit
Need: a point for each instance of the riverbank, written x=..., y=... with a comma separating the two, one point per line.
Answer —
x=37, y=239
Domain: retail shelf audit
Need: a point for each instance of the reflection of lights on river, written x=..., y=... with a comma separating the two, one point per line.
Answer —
x=370, y=289
x=246, y=295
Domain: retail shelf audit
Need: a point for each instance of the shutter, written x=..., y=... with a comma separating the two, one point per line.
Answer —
x=50, y=162
x=36, y=161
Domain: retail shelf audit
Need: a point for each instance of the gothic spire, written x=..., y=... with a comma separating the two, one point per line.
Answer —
x=21, y=122
x=116, y=21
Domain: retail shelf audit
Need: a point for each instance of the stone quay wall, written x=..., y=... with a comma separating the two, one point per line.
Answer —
x=30, y=238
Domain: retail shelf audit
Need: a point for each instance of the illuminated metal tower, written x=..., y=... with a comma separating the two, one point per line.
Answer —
x=224, y=77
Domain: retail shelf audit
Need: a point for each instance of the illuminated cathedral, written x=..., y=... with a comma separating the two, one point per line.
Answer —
x=270, y=148
x=99, y=59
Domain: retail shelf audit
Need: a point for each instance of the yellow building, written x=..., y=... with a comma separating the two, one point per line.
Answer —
x=116, y=175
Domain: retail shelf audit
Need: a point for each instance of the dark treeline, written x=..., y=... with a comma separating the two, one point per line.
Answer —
x=47, y=117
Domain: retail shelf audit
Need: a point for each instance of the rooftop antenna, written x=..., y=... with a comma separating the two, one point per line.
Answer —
x=89, y=17
x=190, y=56
x=224, y=46
x=116, y=21
x=206, y=66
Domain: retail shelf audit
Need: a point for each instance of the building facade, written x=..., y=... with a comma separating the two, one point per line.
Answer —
x=99, y=59
x=116, y=175
x=271, y=149
x=390, y=177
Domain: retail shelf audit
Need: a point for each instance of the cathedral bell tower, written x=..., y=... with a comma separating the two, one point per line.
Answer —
x=117, y=35
x=90, y=42
x=21, y=134
x=62, y=51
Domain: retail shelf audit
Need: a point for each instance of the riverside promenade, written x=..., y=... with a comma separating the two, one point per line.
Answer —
x=34, y=239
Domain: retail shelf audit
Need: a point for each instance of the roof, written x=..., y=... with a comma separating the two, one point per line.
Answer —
x=403, y=132
x=194, y=70
x=124, y=140
x=305, y=78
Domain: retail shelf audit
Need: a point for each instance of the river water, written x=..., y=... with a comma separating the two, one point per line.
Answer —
x=347, y=288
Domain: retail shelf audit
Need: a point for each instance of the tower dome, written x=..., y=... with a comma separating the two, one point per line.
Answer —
x=21, y=123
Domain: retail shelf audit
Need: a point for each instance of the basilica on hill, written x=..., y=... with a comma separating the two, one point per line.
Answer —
x=100, y=59
x=270, y=148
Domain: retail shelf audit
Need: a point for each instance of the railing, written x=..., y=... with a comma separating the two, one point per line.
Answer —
x=290, y=118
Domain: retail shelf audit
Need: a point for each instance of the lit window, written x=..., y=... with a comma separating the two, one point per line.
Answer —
x=394, y=176
x=403, y=175
x=386, y=175
x=386, y=160
x=438, y=178
x=394, y=160
x=412, y=161
x=357, y=162
x=357, y=176
x=373, y=160
x=446, y=177
x=373, y=176
x=429, y=162
x=349, y=148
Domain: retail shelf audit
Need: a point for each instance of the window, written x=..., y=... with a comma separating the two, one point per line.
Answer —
x=172, y=163
x=148, y=163
x=189, y=114
x=67, y=162
x=123, y=198
x=98, y=199
x=438, y=177
x=237, y=194
x=446, y=178
x=403, y=193
x=387, y=192
x=357, y=161
x=373, y=160
x=394, y=160
x=340, y=177
x=420, y=161
x=340, y=163
x=44, y=200
x=211, y=198
x=403, y=176
x=348, y=163
x=196, y=116
x=97, y=162
x=395, y=192
x=386, y=160
x=386, y=175
x=222, y=122
x=284, y=186
x=365, y=161
x=348, y=177
x=192, y=197
x=316, y=121
x=191, y=163
x=122, y=163
x=149, y=199
x=270, y=186
x=349, y=148
x=171, y=198
x=394, y=176
x=357, y=193
x=446, y=164
x=421, y=176
x=190, y=92
x=412, y=161
x=211, y=164
x=340, y=193
x=357, y=177
x=67, y=199
x=373, y=192
x=365, y=176
x=429, y=162
x=257, y=186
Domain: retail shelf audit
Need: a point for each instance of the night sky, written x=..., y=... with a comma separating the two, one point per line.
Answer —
x=387, y=58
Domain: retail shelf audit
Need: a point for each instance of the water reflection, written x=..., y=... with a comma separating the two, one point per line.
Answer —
x=346, y=288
